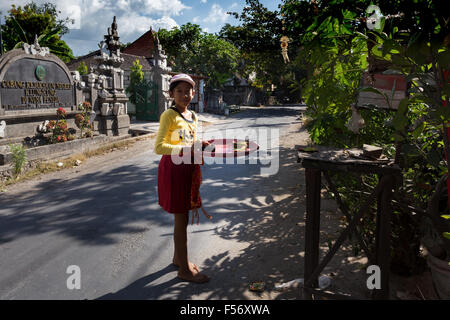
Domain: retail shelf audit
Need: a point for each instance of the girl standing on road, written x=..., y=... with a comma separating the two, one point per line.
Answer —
x=176, y=134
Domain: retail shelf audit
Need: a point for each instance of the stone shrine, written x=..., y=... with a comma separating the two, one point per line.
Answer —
x=104, y=88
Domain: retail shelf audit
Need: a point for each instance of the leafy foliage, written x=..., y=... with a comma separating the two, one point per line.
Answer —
x=83, y=120
x=334, y=61
x=335, y=48
x=136, y=78
x=192, y=51
x=22, y=25
x=82, y=68
x=258, y=39
x=19, y=158
x=59, y=130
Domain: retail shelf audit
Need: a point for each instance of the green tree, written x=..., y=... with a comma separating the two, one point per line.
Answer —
x=82, y=68
x=258, y=39
x=24, y=24
x=336, y=44
x=260, y=29
x=192, y=51
x=136, y=78
x=180, y=45
x=217, y=59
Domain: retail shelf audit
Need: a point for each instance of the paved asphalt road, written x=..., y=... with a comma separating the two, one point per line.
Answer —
x=108, y=223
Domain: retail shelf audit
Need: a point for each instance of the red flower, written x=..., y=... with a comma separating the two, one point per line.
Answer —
x=61, y=112
x=79, y=119
x=58, y=138
x=86, y=105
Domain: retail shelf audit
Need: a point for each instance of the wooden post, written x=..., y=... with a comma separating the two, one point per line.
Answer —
x=446, y=79
x=383, y=238
x=312, y=226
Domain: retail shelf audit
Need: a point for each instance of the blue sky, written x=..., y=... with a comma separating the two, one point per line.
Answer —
x=134, y=17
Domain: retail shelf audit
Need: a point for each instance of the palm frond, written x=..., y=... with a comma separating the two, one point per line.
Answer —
x=17, y=27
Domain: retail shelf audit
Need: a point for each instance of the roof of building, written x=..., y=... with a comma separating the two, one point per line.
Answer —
x=88, y=59
x=129, y=60
x=143, y=46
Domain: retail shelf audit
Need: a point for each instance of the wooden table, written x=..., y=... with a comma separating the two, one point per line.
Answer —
x=327, y=160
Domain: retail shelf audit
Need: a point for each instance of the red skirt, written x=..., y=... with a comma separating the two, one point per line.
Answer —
x=176, y=191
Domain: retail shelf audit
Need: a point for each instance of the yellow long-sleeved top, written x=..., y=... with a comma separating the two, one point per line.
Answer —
x=175, y=132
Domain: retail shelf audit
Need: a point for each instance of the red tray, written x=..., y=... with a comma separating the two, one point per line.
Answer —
x=225, y=147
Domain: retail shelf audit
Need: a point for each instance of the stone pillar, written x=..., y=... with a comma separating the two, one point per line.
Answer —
x=201, y=96
x=78, y=87
x=162, y=81
x=161, y=76
x=111, y=100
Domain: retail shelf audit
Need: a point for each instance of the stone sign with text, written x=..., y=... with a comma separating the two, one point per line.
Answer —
x=34, y=83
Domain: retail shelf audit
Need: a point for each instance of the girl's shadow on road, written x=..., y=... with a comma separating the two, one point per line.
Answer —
x=143, y=289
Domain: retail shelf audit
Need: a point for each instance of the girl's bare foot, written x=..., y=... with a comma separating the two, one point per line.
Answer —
x=193, y=276
x=191, y=265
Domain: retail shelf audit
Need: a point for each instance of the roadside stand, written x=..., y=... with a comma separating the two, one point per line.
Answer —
x=325, y=161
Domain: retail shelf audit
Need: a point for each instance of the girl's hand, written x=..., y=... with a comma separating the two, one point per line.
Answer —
x=205, y=144
x=197, y=216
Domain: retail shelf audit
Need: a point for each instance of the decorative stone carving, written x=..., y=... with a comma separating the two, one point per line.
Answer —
x=105, y=109
x=118, y=109
x=75, y=75
x=81, y=85
x=2, y=128
x=160, y=55
x=36, y=49
x=43, y=127
x=104, y=94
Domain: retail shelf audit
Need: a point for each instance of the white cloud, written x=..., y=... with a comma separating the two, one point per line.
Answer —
x=196, y=20
x=169, y=8
x=134, y=24
x=94, y=6
x=93, y=17
x=164, y=23
x=203, y=1
x=123, y=4
x=216, y=15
